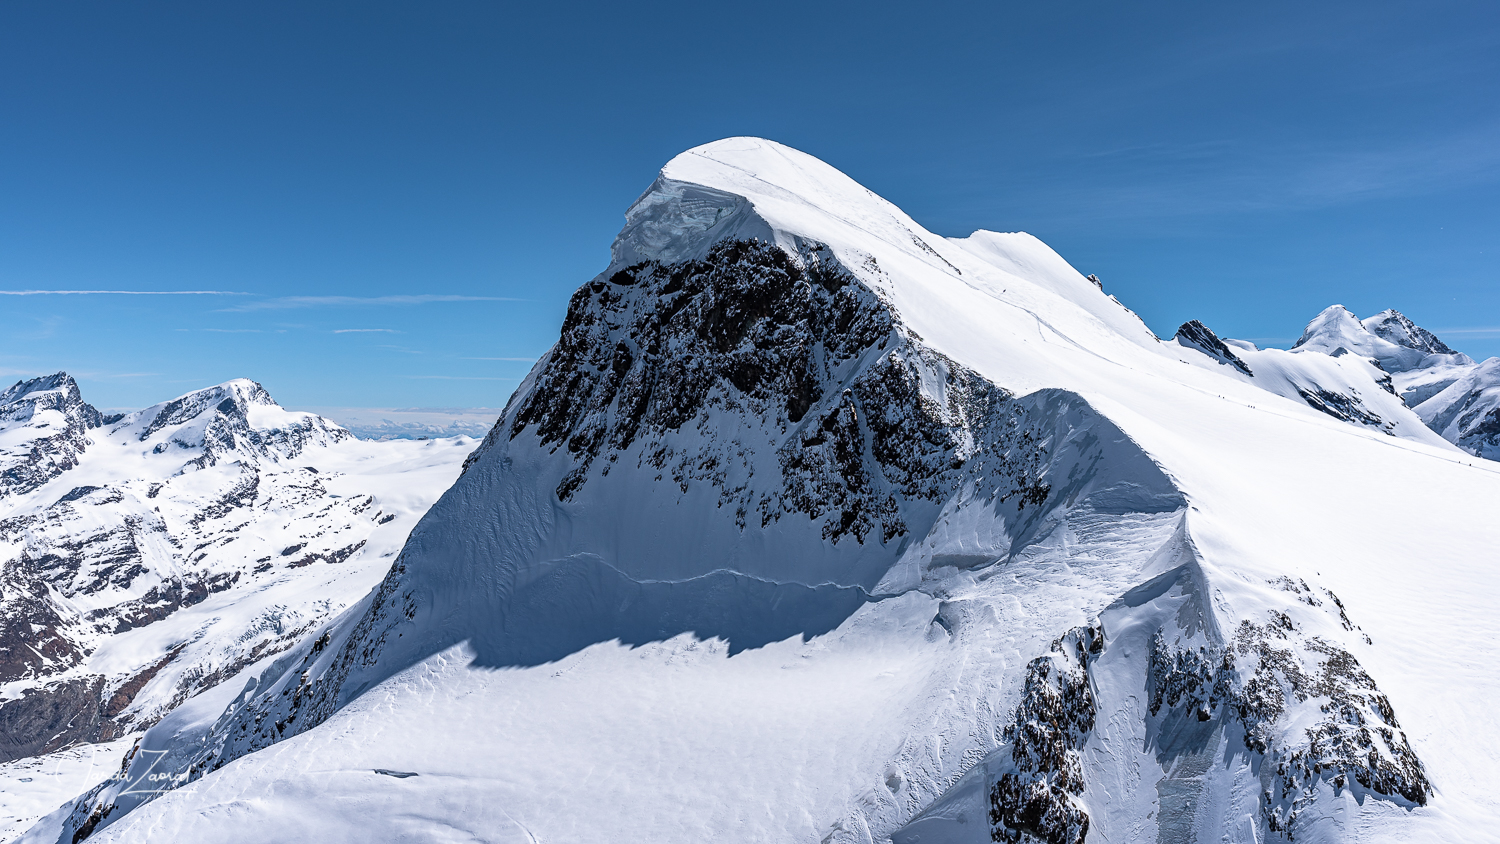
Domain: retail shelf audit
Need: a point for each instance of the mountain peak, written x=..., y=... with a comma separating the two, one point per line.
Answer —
x=236, y=416
x=1199, y=336
x=1388, y=337
x=1333, y=326
x=733, y=189
x=59, y=381
x=232, y=399
x=754, y=189
x=1392, y=325
x=45, y=421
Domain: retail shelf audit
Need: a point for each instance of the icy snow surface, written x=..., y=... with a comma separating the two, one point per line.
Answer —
x=1106, y=583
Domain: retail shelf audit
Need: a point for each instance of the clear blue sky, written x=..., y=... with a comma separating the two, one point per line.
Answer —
x=357, y=168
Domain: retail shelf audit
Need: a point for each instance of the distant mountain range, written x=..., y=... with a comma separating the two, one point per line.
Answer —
x=1341, y=365
x=148, y=557
x=385, y=423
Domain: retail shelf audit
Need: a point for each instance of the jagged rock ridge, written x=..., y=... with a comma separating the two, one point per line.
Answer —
x=1201, y=337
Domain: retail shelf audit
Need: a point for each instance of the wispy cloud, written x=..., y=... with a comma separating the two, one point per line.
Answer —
x=516, y=360
x=46, y=327
x=121, y=293
x=1151, y=181
x=460, y=378
x=223, y=330
x=365, y=331
x=1493, y=331
x=284, y=302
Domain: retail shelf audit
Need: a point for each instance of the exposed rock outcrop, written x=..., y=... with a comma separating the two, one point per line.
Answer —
x=1199, y=336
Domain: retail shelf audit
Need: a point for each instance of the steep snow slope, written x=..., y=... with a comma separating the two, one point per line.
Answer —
x=1467, y=410
x=1052, y=577
x=151, y=556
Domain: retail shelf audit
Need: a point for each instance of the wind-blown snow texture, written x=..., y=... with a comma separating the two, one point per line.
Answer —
x=816, y=526
x=148, y=557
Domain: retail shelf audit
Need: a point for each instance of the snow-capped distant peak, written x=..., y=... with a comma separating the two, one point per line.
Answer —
x=1336, y=327
x=1388, y=337
x=232, y=399
x=43, y=428
x=58, y=382
x=1392, y=325
x=237, y=416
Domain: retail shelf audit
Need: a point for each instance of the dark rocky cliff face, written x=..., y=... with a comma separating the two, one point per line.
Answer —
x=1202, y=338
x=796, y=342
x=746, y=331
x=1039, y=799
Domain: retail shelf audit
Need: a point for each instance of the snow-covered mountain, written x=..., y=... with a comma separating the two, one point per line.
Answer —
x=1348, y=387
x=1388, y=337
x=816, y=526
x=149, y=557
x=1453, y=395
x=1341, y=365
x=44, y=427
x=1464, y=405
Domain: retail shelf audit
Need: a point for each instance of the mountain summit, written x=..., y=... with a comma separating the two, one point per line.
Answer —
x=44, y=425
x=1388, y=337
x=1392, y=325
x=1451, y=394
x=816, y=526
